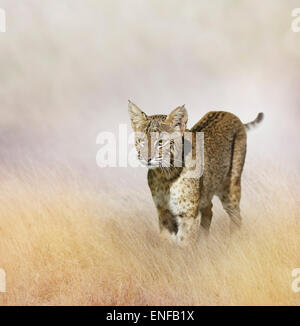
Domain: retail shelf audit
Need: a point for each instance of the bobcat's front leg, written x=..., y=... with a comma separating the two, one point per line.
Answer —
x=187, y=230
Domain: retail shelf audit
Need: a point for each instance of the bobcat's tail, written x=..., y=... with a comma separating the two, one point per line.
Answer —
x=255, y=122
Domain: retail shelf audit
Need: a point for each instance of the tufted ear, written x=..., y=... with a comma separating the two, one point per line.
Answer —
x=137, y=116
x=177, y=119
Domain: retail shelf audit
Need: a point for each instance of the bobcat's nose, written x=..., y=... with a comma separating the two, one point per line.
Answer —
x=149, y=159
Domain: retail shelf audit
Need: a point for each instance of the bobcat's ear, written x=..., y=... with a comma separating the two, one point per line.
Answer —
x=137, y=116
x=177, y=119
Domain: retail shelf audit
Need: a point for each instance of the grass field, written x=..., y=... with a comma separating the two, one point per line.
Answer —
x=72, y=233
x=62, y=242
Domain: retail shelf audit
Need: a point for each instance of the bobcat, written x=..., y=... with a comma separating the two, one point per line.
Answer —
x=178, y=198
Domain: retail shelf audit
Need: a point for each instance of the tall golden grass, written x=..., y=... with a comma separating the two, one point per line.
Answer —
x=64, y=243
x=68, y=68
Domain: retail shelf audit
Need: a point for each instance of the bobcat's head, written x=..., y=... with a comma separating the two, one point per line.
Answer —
x=159, y=138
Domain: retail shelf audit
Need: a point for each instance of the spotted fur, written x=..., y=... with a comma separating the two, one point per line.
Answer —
x=180, y=199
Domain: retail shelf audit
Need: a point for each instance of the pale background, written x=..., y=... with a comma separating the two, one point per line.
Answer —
x=68, y=68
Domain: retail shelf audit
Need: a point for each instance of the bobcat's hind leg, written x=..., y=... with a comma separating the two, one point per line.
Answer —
x=231, y=193
x=206, y=217
x=231, y=204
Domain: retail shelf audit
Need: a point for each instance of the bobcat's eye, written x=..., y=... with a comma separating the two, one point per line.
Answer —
x=158, y=142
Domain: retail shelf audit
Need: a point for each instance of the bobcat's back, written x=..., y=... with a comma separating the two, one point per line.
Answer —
x=224, y=148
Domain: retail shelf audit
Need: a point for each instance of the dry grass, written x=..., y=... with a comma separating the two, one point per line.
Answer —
x=68, y=68
x=63, y=243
